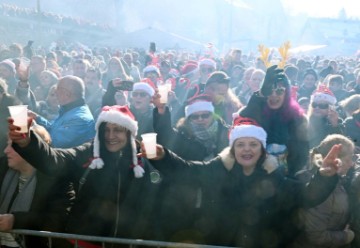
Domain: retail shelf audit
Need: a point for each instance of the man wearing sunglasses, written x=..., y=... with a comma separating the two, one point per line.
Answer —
x=142, y=108
x=322, y=116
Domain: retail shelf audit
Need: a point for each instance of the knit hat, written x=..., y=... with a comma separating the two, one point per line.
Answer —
x=151, y=68
x=323, y=93
x=208, y=62
x=145, y=87
x=199, y=103
x=218, y=77
x=246, y=127
x=8, y=63
x=122, y=116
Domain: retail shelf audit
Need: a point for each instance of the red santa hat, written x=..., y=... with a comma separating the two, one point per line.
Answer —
x=145, y=87
x=189, y=67
x=323, y=93
x=246, y=127
x=119, y=115
x=199, y=103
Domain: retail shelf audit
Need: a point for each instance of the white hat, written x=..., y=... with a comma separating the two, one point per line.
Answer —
x=246, y=127
x=199, y=103
x=208, y=62
x=145, y=87
x=122, y=116
x=323, y=93
x=151, y=68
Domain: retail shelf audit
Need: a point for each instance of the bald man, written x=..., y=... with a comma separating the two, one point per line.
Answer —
x=75, y=124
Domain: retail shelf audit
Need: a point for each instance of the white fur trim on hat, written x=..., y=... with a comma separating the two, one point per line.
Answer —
x=251, y=131
x=11, y=65
x=115, y=116
x=151, y=68
x=198, y=106
x=317, y=97
x=145, y=87
x=208, y=62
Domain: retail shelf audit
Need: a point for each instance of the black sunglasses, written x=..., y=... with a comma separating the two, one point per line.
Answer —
x=320, y=105
x=209, y=70
x=202, y=116
x=279, y=91
x=141, y=94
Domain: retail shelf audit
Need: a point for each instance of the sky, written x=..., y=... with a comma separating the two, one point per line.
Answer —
x=323, y=8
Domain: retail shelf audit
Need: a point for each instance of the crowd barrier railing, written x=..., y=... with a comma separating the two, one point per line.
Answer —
x=103, y=241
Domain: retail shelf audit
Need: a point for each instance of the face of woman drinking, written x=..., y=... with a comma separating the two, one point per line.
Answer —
x=115, y=137
x=247, y=152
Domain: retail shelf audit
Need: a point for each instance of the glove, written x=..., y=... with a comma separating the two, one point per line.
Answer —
x=272, y=77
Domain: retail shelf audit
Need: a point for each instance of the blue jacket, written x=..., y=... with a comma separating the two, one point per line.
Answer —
x=71, y=128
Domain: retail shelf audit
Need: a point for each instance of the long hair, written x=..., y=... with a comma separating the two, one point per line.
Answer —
x=289, y=110
x=104, y=153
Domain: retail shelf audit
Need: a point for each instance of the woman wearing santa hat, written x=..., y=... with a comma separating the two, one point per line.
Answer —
x=252, y=204
x=114, y=195
x=322, y=116
x=200, y=135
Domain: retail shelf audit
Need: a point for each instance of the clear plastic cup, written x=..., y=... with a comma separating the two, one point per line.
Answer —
x=149, y=140
x=20, y=115
x=163, y=91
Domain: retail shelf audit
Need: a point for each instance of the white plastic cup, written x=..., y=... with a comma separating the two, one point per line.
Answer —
x=20, y=115
x=163, y=91
x=149, y=140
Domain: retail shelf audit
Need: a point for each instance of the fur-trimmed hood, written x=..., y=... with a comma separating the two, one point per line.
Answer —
x=270, y=164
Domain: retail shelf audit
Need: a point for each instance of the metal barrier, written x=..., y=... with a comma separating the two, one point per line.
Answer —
x=132, y=243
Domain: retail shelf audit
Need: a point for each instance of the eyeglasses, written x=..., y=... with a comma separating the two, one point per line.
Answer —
x=320, y=105
x=194, y=117
x=279, y=91
x=207, y=70
x=141, y=94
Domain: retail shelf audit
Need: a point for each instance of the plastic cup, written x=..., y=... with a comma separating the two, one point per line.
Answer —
x=20, y=116
x=163, y=91
x=149, y=140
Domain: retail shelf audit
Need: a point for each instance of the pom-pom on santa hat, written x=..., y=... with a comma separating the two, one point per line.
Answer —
x=121, y=116
x=199, y=103
x=323, y=93
x=246, y=127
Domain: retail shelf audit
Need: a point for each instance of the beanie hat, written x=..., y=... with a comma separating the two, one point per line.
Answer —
x=208, y=62
x=151, y=68
x=145, y=87
x=323, y=93
x=246, y=127
x=218, y=77
x=8, y=63
x=199, y=103
x=122, y=116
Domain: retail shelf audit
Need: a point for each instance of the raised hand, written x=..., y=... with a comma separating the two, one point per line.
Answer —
x=22, y=139
x=156, y=101
x=272, y=77
x=331, y=163
x=160, y=152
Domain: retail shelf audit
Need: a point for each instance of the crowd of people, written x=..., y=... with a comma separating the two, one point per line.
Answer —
x=247, y=155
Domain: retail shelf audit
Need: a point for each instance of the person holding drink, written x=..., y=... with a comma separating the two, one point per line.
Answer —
x=115, y=196
x=252, y=204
